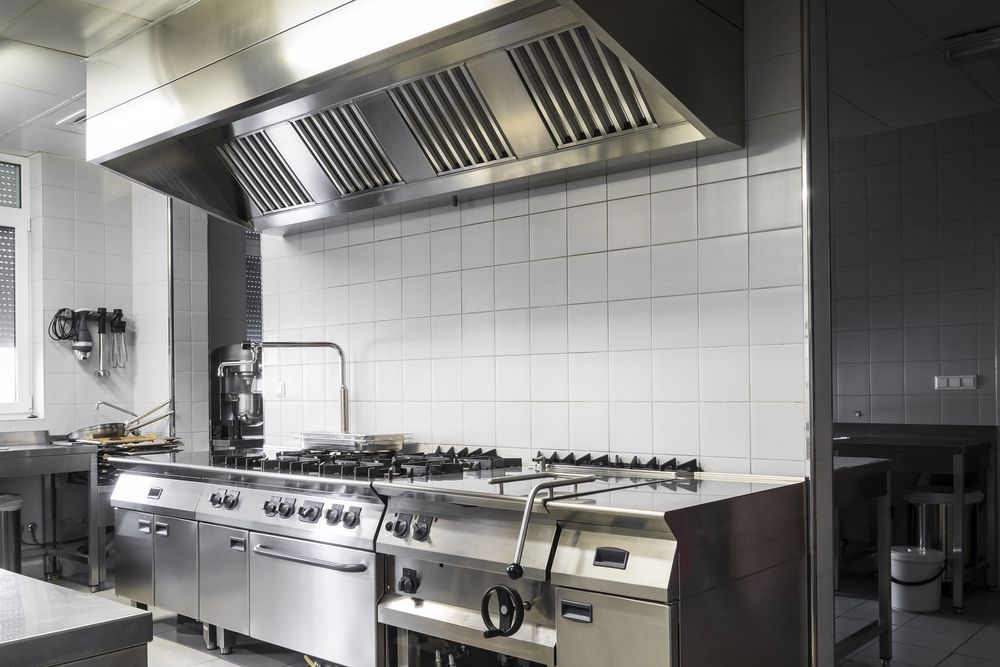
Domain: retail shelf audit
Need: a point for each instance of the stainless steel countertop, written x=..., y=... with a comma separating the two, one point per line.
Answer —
x=53, y=449
x=20, y=460
x=45, y=624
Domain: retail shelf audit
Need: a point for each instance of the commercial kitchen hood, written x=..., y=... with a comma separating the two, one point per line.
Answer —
x=275, y=113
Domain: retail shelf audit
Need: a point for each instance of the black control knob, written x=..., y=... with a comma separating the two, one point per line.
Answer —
x=352, y=516
x=333, y=514
x=271, y=507
x=511, y=608
x=286, y=508
x=309, y=512
x=402, y=526
x=230, y=500
x=409, y=582
x=421, y=528
x=216, y=499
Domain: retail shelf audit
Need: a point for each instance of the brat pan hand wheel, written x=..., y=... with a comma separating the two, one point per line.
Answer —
x=511, y=612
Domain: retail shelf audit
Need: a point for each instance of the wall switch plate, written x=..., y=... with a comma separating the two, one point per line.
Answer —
x=279, y=389
x=948, y=382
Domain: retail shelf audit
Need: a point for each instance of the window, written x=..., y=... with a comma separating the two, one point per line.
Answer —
x=15, y=345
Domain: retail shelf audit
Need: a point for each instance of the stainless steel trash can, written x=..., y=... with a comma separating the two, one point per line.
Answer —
x=10, y=532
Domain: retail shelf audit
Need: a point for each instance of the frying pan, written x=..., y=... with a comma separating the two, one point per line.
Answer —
x=119, y=429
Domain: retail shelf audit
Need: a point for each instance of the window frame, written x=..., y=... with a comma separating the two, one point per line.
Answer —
x=20, y=220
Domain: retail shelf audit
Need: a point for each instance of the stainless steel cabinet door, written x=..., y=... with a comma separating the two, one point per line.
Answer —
x=175, y=565
x=224, y=577
x=595, y=630
x=314, y=598
x=134, y=555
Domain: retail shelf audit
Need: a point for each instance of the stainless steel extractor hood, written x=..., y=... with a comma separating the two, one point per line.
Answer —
x=276, y=113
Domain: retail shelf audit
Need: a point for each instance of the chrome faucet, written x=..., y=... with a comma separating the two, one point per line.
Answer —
x=257, y=349
x=97, y=406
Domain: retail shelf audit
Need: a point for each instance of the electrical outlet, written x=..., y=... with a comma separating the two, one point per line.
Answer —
x=952, y=382
x=279, y=389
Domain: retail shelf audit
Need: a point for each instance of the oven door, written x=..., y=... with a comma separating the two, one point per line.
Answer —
x=596, y=630
x=314, y=598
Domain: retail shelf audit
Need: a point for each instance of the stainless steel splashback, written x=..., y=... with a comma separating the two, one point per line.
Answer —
x=274, y=114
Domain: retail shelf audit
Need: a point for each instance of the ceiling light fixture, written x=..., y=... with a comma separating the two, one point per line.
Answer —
x=981, y=45
x=74, y=118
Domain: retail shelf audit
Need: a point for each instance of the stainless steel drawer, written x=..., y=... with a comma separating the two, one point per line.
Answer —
x=596, y=630
x=224, y=577
x=314, y=598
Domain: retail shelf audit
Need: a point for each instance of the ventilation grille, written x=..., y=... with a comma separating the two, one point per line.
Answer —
x=581, y=89
x=346, y=149
x=10, y=185
x=8, y=291
x=447, y=114
x=254, y=300
x=263, y=173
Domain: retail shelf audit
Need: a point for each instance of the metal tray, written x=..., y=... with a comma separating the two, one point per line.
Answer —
x=355, y=442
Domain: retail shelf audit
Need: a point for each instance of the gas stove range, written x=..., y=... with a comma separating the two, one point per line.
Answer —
x=365, y=466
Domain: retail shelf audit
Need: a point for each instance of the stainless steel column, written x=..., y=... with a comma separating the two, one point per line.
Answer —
x=956, y=550
x=95, y=531
x=10, y=532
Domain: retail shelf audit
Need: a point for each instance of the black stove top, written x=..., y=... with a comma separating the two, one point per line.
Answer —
x=356, y=465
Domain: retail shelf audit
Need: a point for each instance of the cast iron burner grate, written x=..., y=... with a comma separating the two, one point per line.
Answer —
x=604, y=461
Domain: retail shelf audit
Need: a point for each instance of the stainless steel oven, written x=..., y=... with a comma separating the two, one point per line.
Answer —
x=315, y=598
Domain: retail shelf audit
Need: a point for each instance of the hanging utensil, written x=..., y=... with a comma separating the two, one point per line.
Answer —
x=102, y=329
x=119, y=352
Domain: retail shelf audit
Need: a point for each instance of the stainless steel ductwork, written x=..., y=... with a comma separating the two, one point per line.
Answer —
x=274, y=114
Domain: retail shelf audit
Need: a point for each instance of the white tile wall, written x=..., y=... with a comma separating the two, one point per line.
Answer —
x=637, y=307
x=149, y=357
x=99, y=240
x=191, y=355
x=914, y=222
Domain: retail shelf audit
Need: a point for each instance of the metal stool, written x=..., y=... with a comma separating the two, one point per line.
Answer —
x=931, y=521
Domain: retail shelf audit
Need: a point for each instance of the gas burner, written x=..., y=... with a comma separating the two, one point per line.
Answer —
x=619, y=463
x=477, y=459
x=369, y=466
x=242, y=459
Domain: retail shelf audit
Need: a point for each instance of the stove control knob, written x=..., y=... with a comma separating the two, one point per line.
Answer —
x=422, y=528
x=351, y=517
x=216, y=498
x=286, y=508
x=271, y=506
x=409, y=582
x=402, y=526
x=230, y=500
x=333, y=514
x=310, y=511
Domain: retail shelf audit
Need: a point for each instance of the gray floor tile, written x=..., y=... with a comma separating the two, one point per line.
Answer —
x=927, y=638
x=967, y=661
x=984, y=646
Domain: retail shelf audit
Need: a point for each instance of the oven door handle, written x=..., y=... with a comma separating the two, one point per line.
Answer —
x=270, y=552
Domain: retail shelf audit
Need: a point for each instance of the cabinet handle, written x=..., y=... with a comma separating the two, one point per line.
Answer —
x=144, y=526
x=578, y=612
x=162, y=529
x=306, y=560
x=237, y=544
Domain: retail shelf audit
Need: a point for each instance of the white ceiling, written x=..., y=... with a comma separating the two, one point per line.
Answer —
x=886, y=69
x=43, y=44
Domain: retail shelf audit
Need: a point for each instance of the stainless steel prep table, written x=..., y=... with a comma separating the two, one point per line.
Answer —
x=43, y=625
x=936, y=451
x=26, y=454
x=857, y=479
